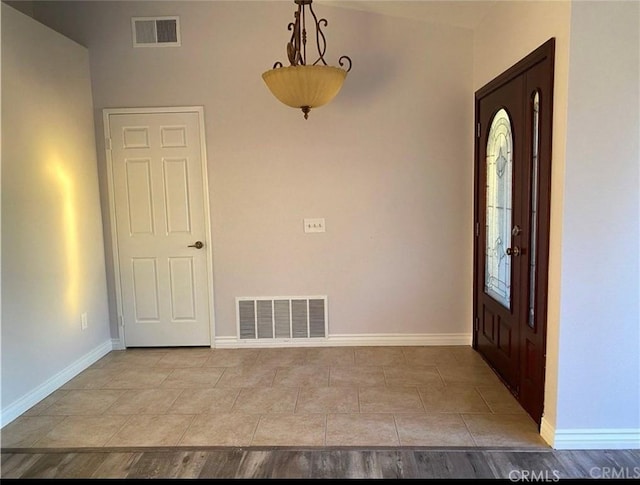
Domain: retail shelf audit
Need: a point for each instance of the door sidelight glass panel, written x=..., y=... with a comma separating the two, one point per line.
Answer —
x=531, y=318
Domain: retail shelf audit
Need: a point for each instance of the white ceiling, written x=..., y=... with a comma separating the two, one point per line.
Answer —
x=459, y=13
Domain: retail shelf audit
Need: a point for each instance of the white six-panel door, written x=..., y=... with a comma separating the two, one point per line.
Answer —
x=158, y=193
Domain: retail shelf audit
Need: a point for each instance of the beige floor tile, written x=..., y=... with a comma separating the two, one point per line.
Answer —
x=142, y=378
x=144, y=401
x=412, y=376
x=330, y=356
x=281, y=357
x=232, y=357
x=192, y=351
x=475, y=374
x=500, y=400
x=318, y=400
x=302, y=375
x=92, y=379
x=46, y=402
x=453, y=398
x=266, y=400
x=152, y=430
x=127, y=359
x=421, y=356
x=430, y=396
x=100, y=363
x=149, y=350
x=361, y=430
x=503, y=430
x=389, y=400
x=26, y=430
x=199, y=377
x=183, y=359
x=89, y=402
x=221, y=430
x=247, y=376
x=82, y=431
x=433, y=430
x=353, y=376
x=287, y=430
x=205, y=401
x=379, y=356
x=465, y=355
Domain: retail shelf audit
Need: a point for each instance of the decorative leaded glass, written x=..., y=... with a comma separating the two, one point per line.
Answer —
x=534, y=210
x=497, y=275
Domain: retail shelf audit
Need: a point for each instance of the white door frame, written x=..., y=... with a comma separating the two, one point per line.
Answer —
x=112, y=206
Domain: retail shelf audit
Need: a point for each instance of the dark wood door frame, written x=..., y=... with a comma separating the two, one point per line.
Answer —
x=533, y=391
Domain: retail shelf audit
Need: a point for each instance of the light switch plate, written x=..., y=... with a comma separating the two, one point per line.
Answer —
x=314, y=225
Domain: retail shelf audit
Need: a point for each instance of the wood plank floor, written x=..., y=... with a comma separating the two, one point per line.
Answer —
x=319, y=463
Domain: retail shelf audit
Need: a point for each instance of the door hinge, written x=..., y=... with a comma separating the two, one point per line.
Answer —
x=121, y=320
x=477, y=229
x=107, y=143
x=476, y=323
x=478, y=130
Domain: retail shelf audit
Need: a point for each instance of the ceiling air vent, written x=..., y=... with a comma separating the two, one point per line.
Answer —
x=156, y=31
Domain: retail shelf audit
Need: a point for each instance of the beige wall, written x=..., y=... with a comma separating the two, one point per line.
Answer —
x=52, y=251
x=509, y=32
x=599, y=365
x=24, y=6
x=388, y=164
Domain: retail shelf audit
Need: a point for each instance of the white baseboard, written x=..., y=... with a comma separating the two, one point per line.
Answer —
x=16, y=408
x=597, y=439
x=116, y=344
x=422, y=339
x=359, y=340
x=590, y=439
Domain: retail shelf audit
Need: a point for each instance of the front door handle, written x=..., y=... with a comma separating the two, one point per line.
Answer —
x=514, y=251
x=197, y=245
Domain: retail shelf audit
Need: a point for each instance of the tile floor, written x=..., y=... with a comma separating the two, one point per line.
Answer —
x=332, y=396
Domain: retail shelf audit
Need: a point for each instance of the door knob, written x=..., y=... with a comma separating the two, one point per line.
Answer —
x=197, y=245
x=514, y=251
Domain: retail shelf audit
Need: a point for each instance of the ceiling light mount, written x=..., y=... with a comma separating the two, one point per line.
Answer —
x=302, y=85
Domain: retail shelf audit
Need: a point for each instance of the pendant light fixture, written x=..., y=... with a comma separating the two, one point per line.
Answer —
x=301, y=85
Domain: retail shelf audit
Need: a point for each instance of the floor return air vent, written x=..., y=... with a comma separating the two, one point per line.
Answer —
x=277, y=318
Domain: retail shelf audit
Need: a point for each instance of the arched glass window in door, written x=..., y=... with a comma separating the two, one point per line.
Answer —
x=497, y=274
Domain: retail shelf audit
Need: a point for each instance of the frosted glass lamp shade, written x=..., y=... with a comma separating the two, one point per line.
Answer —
x=305, y=87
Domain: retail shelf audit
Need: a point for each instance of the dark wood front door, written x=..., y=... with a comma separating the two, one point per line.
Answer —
x=512, y=197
